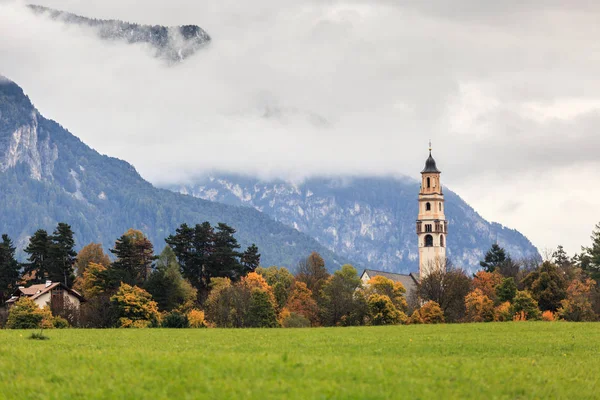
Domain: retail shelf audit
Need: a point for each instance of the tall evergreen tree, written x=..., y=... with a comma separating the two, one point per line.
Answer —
x=63, y=255
x=9, y=269
x=226, y=257
x=493, y=258
x=37, y=270
x=590, y=260
x=135, y=255
x=547, y=286
x=251, y=259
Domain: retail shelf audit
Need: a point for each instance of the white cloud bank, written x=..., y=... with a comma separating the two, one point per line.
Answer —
x=508, y=92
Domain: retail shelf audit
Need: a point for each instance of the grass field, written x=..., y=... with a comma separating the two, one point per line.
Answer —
x=502, y=360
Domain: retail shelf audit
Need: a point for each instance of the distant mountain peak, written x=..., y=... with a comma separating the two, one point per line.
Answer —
x=172, y=43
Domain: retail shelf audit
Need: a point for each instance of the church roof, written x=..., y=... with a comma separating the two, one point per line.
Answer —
x=430, y=165
x=409, y=281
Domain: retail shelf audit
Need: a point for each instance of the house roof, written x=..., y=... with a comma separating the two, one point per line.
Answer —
x=35, y=291
x=430, y=165
x=409, y=281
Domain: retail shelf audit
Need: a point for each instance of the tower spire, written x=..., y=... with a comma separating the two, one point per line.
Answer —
x=429, y=146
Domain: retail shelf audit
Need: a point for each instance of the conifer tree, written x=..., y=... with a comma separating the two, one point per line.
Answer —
x=39, y=249
x=63, y=255
x=9, y=269
x=135, y=255
x=591, y=259
x=493, y=258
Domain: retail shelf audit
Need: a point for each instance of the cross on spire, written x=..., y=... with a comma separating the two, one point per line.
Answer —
x=429, y=146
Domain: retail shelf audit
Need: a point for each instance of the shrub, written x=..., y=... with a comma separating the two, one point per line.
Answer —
x=59, y=322
x=196, y=319
x=480, y=308
x=175, y=319
x=503, y=312
x=548, y=316
x=293, y=320
x=415, y=318
x=431, y=313
x=25, y=314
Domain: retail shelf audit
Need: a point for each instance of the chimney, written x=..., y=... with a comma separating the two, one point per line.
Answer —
x=48, y=283
x=21, y=287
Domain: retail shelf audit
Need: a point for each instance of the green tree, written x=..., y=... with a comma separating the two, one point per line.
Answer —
x=524, y=303
x=493, y=258
x=167, y=286
x=38, y=249
x=590, y=262
x=9, y=269
x=63, y=255
x=338, y=302
x=507, y=290
x=250, y=259
x=281, y=280
x=261, y=313
x=547, y=286
x=135, y=255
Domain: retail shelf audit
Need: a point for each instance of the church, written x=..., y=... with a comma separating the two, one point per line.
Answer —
x=432, y=230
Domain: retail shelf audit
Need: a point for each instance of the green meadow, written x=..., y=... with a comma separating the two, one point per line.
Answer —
x=484, y=361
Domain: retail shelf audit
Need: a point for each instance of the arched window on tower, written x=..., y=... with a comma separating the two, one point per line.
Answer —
x=428, y=241
x=428, y=207
x=428, y=183
x=442, y=240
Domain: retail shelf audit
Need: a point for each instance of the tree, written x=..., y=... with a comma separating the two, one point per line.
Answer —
x=225, y=259
x=429, y=313
x=480, y=308
x=93, y=282
x=9, y=269
x=281, y=280
x=134, y=307
x=591, y=256
x=91, y=253
x=301, y=301
x=487, y=282
x=38, y=268
x=63, y=255
x=338, y=302
x=167, y=286
x=382, y=311
x=313, y=273
x=547, y=286
x=447, y=289
x=507, y=290
x=135, y=255
x=25, y=314
x=395, y=291
x=526, y=305
x=578, y=304
x=503, y=312
x=250, y=259
x=261, y=312
x=493, y=258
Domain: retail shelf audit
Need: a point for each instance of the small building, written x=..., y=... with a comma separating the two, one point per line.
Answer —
x=409, y=281
x=47, y=293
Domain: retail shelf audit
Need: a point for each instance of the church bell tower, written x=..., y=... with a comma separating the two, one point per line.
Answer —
x=432, y=227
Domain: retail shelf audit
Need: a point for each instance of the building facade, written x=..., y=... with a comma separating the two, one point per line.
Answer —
x=432, y=227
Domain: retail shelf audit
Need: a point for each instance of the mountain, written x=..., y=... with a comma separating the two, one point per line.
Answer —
x=174, y=43
x=368, y=220
x=47, y=175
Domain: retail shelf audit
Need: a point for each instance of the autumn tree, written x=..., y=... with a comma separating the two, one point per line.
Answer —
x=578, y=304
x=25, y=314
x=91, y=253
x=429, y=313
x=167, y=286
x=135, y=255
x=395, y=291
x=281, y=280
x=479, y=307
x=382, y=311
x=313, y=273
x=546, y=286
x=487, y=282
x=338, y=303
x=301, y=301
x=447, y=289
x=9, y=269
x=134, y=307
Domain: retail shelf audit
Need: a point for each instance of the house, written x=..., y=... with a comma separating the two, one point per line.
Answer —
x=47, y=293
x=409, y=281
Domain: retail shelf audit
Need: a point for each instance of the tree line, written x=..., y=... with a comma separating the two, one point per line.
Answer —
x=202, y=279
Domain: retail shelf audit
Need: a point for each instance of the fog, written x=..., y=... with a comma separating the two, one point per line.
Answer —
x=507, y=92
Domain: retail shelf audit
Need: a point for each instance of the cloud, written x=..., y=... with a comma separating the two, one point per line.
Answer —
x=507, y=91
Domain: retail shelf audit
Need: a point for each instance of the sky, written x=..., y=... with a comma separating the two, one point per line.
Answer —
x=508, y=92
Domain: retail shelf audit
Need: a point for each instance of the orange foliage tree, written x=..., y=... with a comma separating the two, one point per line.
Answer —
x=578, y=304
x=479, y=307
x=487, y=282
x=429, y=313
x=503, y=312
x=301, y=301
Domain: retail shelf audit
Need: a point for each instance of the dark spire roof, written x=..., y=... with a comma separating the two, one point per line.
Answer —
x=430, y=165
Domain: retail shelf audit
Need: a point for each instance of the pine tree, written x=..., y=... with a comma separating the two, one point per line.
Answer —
x=39, y=248
x=225, y=258
x=592, y=261
x=135, y=255
x=62, y=255
x=9, y=269
x=250, y=259
x=493, y=258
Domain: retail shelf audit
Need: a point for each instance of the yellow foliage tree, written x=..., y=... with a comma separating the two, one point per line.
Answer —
x=429, y=313
x=26, y=314
x=382, y=311
x=395, y=291
x=196, y=319
x=134, y=307
x=503, y=312
x=92, y=283
x=479, y=307
x=487, y=282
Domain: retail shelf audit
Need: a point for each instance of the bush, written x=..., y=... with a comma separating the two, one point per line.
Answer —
x=548, y=316
x=294, y=320
x=60, y=323
x=134, y=307
x=480, y=308
x=25, y=314
x=196, y=319
x=430, y=313
x=525, y=307
x=503, y=312
x=175, y=319
x=383, y=312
